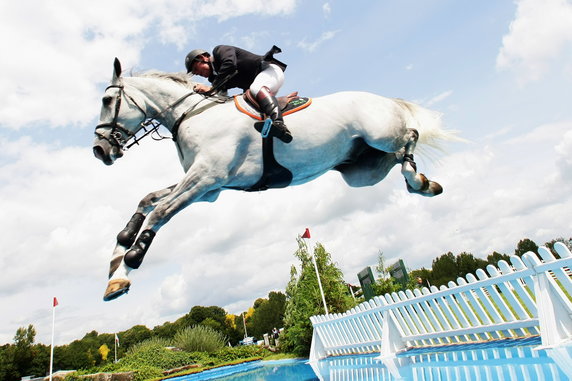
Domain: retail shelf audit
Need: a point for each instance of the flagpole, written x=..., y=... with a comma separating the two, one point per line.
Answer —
x=307, y=236
x=244, y=322
x=53, y=329
x=115, y=345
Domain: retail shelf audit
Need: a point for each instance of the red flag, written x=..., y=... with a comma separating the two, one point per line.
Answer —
x=306, y=233
x=55, y=301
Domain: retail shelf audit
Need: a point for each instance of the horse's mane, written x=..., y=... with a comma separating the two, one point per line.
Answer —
x=180, y=78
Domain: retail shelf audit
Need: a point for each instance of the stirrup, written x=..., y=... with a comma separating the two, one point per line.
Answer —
x=281, y=131
x=276, y=128
x=266, y=128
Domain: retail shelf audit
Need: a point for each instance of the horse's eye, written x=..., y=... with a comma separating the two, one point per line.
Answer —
x=106, y=100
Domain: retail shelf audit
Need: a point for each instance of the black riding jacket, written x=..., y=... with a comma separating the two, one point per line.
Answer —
x=229, y=59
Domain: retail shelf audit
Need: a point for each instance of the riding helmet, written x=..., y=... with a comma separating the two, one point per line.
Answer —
x=192, y=56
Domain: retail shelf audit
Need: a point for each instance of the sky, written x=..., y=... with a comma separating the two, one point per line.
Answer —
x=500, y=72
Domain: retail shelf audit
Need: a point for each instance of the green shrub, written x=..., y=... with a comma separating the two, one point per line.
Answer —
x=199, y=338
x=230, y=354
x=154, y=342
x=144, y=372
x=152, y=353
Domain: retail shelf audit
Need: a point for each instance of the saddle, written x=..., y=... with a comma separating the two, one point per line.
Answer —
x=289, y=104
x=274, y=175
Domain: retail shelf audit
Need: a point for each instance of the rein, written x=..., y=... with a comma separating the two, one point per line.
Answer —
x=194, y=111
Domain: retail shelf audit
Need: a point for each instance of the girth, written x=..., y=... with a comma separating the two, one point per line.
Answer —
x=274, y=175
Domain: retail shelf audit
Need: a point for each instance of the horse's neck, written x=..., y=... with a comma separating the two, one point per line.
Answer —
x=164, y=99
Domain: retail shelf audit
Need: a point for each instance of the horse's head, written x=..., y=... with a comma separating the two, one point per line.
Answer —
x=121, y=117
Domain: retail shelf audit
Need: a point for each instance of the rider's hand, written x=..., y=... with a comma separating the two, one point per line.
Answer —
x=200, y=88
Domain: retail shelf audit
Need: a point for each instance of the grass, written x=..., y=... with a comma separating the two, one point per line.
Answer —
x=281, y=356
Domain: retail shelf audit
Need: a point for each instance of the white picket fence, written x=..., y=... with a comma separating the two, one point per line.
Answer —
x=498, y=364
x=531, y=297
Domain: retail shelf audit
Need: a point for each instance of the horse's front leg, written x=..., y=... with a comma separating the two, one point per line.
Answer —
x=416, y=182
x=193, y=188
x=118, y=271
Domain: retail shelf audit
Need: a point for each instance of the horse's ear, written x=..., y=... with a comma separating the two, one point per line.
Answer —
x=116, y=70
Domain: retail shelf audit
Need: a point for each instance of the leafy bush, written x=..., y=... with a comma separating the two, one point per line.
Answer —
x=242, y=352
x=199, y=338
x=155, y=342
x=152, y=353
x=144, y=372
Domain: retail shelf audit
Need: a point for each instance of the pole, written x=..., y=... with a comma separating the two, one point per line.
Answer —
x=52, y=344
x=352, y=291
x=319, y=282
x=115, y=345
x=244, y=322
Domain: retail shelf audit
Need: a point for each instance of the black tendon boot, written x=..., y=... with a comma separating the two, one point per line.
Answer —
x=269, y=106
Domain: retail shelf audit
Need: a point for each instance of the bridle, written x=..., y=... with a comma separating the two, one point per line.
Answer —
x=118, y=135
x=122, y=138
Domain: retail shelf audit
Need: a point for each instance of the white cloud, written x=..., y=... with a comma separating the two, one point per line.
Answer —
x=438, y=98
x=327, y=9
x=249, y=41
x=58, y=52
x=313, y=45
x=563, y=159
x=537, y=39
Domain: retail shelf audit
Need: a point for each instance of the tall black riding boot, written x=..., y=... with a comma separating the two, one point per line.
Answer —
x=270, y=107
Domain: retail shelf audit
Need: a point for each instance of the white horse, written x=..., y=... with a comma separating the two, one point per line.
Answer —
x=361, y=135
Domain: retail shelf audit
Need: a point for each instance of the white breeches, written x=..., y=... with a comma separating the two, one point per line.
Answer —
x=271, y=77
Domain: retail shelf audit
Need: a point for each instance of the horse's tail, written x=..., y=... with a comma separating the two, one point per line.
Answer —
x=429, y=125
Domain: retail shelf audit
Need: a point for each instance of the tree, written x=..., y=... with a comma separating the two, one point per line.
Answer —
x=424, y=274
x=524, y=246
x=213, y=316
x=384, y=284
x=467, y=263
x=166, y=330
x=23, y=349
x=268, y=314
x=303, y=298
x=134, y=335
x=444, y=269
x=496, y=257
x=104, y=351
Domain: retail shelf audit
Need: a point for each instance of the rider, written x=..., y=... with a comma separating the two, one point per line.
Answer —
x=229, y=67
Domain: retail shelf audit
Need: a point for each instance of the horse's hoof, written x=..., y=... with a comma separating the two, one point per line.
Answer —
x=430, y=188
x=116, y=288
x=435, y=188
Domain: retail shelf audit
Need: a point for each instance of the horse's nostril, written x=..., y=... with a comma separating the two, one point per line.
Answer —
x=98, y=152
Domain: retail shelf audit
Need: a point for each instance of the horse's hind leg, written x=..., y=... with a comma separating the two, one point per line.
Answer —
x=368, y=168
x=118, y=270
x=416, y=182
